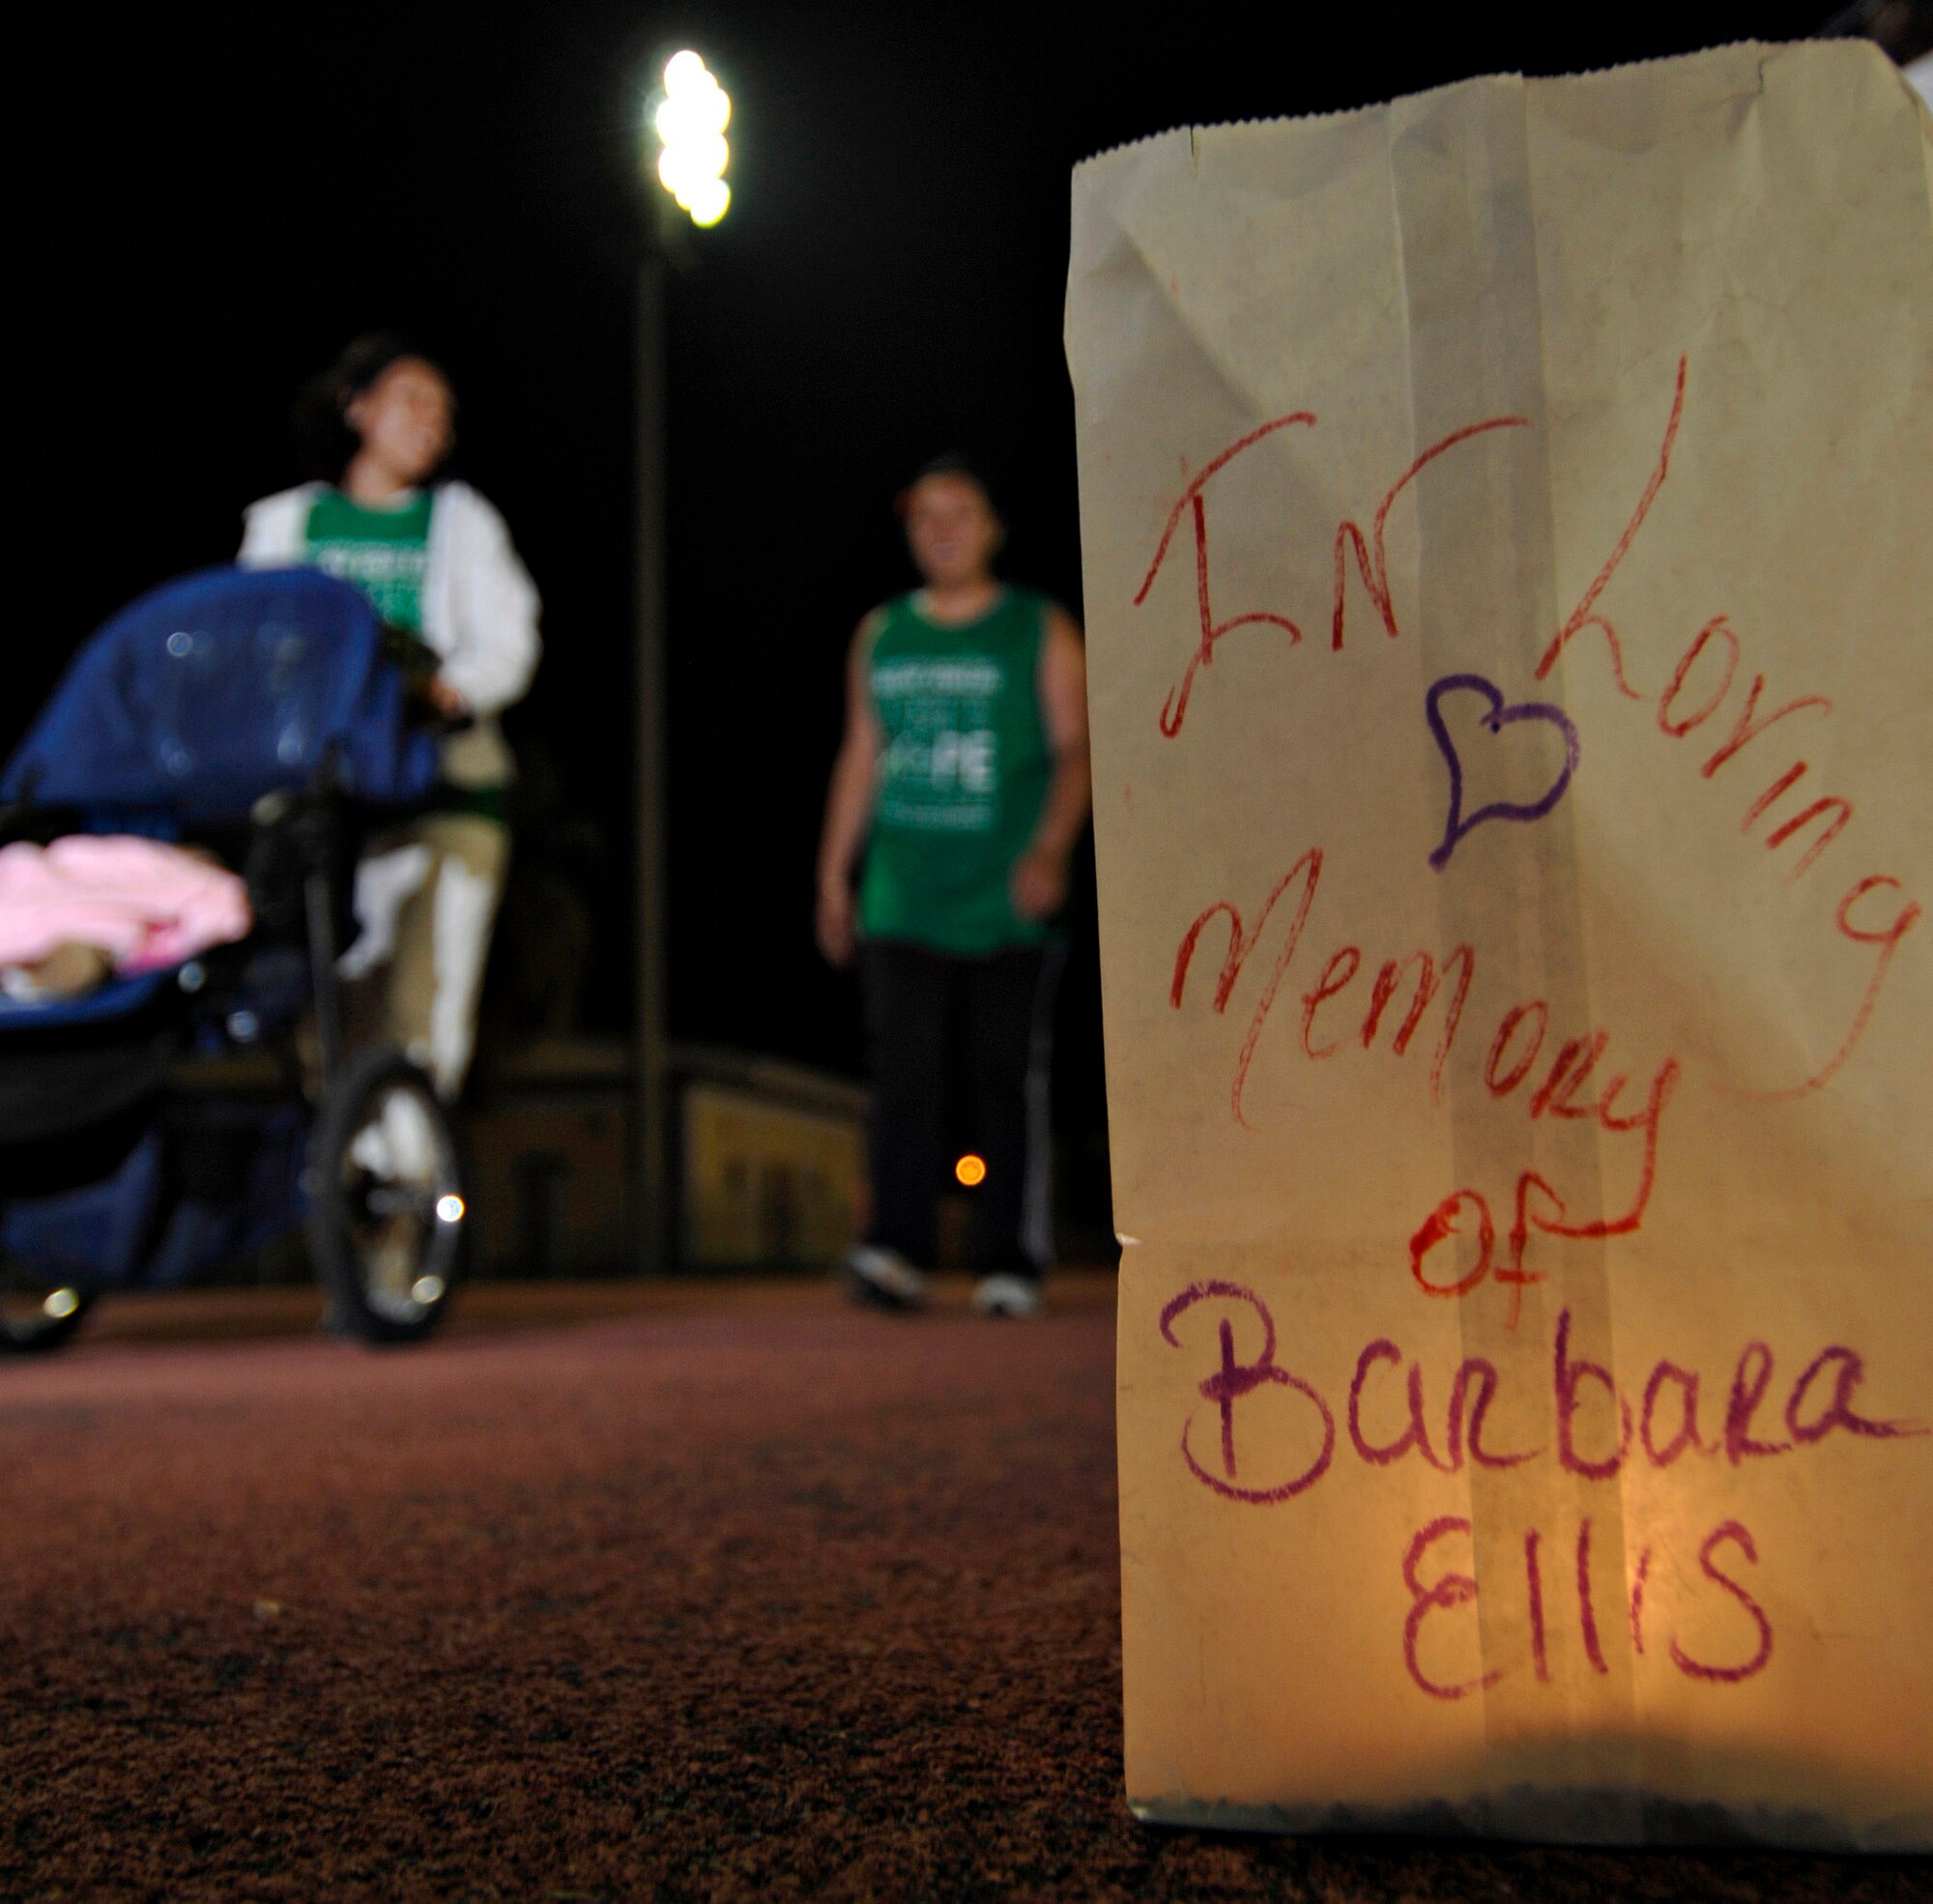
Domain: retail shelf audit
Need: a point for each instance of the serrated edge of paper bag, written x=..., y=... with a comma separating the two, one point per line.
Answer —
x=1335, y=113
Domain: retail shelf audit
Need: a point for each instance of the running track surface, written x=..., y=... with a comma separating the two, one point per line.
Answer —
x=617, y=1592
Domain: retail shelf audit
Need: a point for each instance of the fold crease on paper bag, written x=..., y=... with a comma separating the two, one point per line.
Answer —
x=1504, y=518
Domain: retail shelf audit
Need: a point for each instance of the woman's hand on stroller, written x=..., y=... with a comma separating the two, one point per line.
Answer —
x=427, y=689
x=444, y=700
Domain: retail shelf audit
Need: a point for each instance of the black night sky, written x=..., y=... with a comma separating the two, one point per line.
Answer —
x=207, y=216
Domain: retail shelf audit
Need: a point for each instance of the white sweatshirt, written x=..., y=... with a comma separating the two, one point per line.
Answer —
x=480, y=609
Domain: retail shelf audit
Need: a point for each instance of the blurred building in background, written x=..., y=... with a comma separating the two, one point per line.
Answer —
x=770, y=1163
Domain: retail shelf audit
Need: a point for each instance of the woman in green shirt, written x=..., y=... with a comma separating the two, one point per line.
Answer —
x=963, y=779
x=439, y=565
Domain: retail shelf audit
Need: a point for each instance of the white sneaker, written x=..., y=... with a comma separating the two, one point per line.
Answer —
x=1006, y=1296
x=884, y=1277
x=398, y=1145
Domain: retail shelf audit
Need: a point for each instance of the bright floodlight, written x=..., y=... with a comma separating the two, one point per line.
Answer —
x=690, y=121
x=709, y=201
x=686, y=73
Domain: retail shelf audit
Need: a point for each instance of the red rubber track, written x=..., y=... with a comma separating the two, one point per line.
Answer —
x=702, y=1595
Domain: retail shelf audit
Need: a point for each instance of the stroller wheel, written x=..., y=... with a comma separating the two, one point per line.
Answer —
x=36, y=1310
x=386, y=1203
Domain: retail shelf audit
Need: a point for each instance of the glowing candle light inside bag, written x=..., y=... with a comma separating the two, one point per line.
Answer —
x=971, y=1170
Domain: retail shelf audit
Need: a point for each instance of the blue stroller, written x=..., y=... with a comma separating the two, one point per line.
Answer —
x=257, y=715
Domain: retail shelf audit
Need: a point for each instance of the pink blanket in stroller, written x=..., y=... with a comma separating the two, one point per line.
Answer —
x=143, y=903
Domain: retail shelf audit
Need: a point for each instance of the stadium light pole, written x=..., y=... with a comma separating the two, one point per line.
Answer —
x=684, y=147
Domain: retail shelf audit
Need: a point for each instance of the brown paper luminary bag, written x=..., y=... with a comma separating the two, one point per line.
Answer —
x=1509, y=539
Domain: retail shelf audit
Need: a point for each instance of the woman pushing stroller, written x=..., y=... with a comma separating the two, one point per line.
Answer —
x=437, y=560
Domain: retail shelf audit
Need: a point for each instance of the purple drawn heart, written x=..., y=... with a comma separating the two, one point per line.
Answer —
x=1500, y=716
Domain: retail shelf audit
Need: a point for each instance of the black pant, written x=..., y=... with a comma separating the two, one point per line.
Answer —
x=1006, y=1006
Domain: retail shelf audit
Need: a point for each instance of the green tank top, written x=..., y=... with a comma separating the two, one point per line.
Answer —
x=964, y=771
x=384, y=552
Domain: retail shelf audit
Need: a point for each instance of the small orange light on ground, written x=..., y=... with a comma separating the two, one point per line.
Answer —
x=971, y=1170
